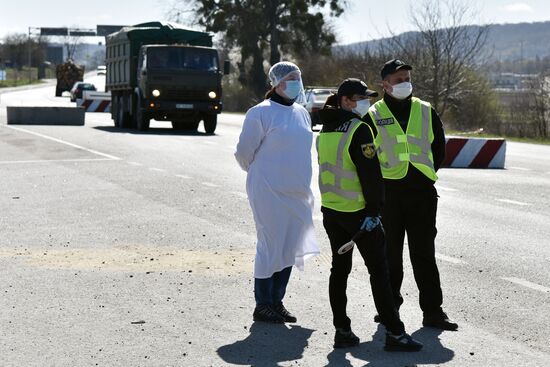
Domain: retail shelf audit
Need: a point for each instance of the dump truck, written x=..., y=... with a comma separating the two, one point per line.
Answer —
x=165, y=72
x=67, y=74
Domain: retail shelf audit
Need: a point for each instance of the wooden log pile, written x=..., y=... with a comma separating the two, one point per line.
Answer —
x=67, y=74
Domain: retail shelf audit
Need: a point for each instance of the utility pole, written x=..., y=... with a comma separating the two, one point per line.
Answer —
x=521, y=52
x=29, y=50
x=32, y=31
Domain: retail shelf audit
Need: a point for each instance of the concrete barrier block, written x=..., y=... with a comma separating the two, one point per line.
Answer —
x=90, y=94
x=93, y=101
x=94, y=105
x=474, y=153
x=23, y=115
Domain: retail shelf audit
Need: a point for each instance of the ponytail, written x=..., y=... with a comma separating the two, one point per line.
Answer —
x=269, y=93
x=332, y=101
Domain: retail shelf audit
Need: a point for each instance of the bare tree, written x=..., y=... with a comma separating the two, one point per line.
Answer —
x=15, y=50
x=538, y=103
x=72, y=44
x=266, y=31
x=331, y=70
x=443, y=51
x=525, y=112
x=182, y=12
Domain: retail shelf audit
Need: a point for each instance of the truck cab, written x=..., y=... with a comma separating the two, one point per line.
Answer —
x=181, y=84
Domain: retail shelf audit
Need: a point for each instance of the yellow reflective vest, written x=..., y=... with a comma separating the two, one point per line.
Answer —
x=395, y=148
x=338, y=180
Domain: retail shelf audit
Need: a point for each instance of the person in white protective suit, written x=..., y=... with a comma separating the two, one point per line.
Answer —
x=274, y=149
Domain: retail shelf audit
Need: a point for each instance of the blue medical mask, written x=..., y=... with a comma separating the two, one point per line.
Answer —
x=292, y=89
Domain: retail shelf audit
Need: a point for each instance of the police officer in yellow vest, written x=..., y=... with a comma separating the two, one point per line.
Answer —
x=352, y=194
x=410, y=143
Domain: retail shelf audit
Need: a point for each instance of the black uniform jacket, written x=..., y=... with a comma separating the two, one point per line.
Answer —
x=281, y=100
x=368, y=169
x=401, y=110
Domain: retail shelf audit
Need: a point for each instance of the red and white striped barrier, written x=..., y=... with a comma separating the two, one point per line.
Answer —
x=95, y=101
x=474, y=153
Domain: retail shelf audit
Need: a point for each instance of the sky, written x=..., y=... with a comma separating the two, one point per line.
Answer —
x=363, y=20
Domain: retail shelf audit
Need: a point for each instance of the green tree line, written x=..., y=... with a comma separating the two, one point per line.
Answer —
x=14, y=51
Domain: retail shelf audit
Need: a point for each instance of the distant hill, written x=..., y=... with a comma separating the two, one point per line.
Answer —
x=508, y=42
x=516, y=41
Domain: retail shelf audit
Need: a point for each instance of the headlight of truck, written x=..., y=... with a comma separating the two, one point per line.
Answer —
x=155, y=93
x=212, y=94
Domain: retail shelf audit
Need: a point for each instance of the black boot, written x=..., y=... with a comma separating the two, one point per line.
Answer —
x=281, y=310
x=345, y=338
x=401, y=343
x=439, y=320
x=265, y=313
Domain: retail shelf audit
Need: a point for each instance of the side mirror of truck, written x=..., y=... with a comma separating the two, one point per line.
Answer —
x=226, y=67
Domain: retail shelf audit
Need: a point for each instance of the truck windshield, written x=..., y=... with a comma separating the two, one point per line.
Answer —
x=182, y=58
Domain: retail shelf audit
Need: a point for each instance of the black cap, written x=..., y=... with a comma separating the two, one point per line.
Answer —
x=392, y=66
x=353, y=86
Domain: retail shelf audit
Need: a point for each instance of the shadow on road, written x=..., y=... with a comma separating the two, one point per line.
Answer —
x=373, y=353
x=267, y=345
x=153, y=131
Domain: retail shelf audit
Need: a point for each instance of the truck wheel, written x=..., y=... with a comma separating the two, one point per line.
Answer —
x=132, y=118
x=142, y=120
x=123, y=112
x=123, y=116
x=115, y=113
x=210, y=122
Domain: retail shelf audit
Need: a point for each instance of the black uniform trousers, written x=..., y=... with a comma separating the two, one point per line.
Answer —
x=413, y=210
x=340, y=228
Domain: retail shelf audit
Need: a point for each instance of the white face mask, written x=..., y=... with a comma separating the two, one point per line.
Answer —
x=362, y=107
x=401, y=90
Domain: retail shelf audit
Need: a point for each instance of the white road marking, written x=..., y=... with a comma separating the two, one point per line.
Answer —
x=450, y=259
x=156, y=169
x=520, y=168
x=135, y=164
x=58, y=160
x=443, y=188
x=64, y=142
x=210, y=184
x=527, y=284
x=513, y=202
x=183, y=176
x=240, y=194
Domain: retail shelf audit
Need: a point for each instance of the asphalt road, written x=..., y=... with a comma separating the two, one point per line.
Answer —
x=120, y=248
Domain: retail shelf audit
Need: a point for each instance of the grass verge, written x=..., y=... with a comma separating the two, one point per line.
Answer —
x=510, y=138
x=17, y=83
